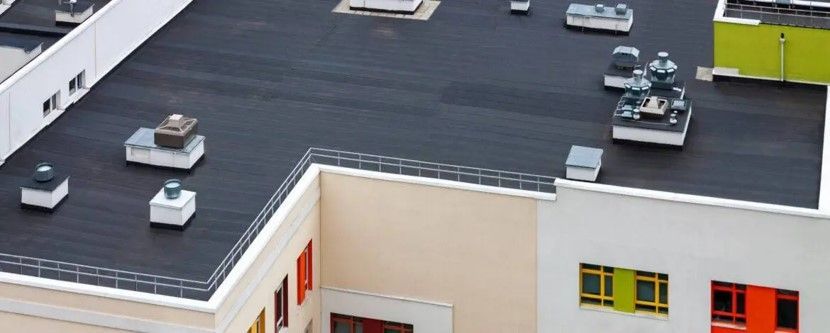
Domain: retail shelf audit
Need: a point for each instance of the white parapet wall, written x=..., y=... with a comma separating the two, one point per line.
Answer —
x=93, y=48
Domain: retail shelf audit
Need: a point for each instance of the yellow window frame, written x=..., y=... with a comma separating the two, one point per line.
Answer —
x=603, y=298
x=660, y=308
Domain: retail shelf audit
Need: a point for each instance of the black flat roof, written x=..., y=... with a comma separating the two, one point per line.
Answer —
x=474, y=86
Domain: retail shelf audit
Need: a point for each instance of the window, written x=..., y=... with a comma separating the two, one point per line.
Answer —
x=50, y=104
x=351, y=324
x=281, y=305
x=729, y=303
x=652, y=292
x=259, y=324
x=786, y=307
x=596, y=285
x=76, y=83
x=304, y=273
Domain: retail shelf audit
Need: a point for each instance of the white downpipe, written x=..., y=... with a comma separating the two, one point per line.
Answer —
x=781, y=41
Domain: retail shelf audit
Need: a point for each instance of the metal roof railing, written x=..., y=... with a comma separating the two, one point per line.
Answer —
x=768, y=14
x=185, y=288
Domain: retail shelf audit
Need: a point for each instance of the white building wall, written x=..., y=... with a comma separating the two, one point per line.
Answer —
x=95, y=47
x=692, y=242
x=5, y=130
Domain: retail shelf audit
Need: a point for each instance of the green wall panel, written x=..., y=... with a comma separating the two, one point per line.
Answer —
x=754, y=50
x=624, y=280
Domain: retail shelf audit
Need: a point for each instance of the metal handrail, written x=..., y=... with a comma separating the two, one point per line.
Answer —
x=186, y=288
x=777, y=15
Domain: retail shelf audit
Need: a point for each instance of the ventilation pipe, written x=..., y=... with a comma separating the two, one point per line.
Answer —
x=781, y=41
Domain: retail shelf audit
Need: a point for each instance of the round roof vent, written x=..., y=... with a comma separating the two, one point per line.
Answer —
x=637, y=85
x=172, y=188
x=662, y=69
x=44, y=172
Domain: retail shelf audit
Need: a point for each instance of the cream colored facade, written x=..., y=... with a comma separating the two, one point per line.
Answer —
x=431, y=243
x=456, y=257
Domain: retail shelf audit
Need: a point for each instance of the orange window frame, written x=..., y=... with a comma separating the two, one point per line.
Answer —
x=733, y=313
x=305, y=273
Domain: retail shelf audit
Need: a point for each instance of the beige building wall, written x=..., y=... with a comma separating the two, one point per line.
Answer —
x=10, y=322
x=89, y=307
x=255, y=291
x=474, y=250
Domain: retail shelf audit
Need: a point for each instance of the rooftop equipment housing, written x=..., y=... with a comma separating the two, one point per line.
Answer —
x=597, y=17
x=520, y=6
x=395, y=6
x=46, y=190
x=73, y=12
x=583, y=163
x=623, y=60
x=173, y=144
x=651, y=114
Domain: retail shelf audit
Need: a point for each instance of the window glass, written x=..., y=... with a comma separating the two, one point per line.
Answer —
x=664, y=293
x=722, y=301
x=590, y=284
x=72, y=85
x=741, y=303
x=787, y=313
x=341, y=327
x=645, y=291
x=609, y=286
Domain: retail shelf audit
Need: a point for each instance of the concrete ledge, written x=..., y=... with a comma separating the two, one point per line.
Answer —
x=824, y=188
x=693, y=199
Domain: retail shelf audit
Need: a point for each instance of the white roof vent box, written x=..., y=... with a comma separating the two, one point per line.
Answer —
x=73, y=12
x=45, y=190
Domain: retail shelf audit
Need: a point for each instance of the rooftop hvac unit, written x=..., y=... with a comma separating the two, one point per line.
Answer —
x=175, y=131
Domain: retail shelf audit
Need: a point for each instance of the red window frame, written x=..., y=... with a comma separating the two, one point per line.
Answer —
x=281, y=305
x=305, y=273
x=352, y=320
x=735, y=317
x=781, y=294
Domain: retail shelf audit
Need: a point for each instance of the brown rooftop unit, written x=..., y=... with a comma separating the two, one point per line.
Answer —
x=176, y=131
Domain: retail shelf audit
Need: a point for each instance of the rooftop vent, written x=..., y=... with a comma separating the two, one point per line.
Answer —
x=44, y=172
x=583, y=163
x=637, y=86
x=625, y=57
x=599, y=8
x=175, y=131
x=621, y=9
x=45, y=190
x=662, y=70
x=172, y=188
x=172, y=207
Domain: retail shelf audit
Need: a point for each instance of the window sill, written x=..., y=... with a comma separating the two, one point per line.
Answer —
x=635, y=314
x=728, y=325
